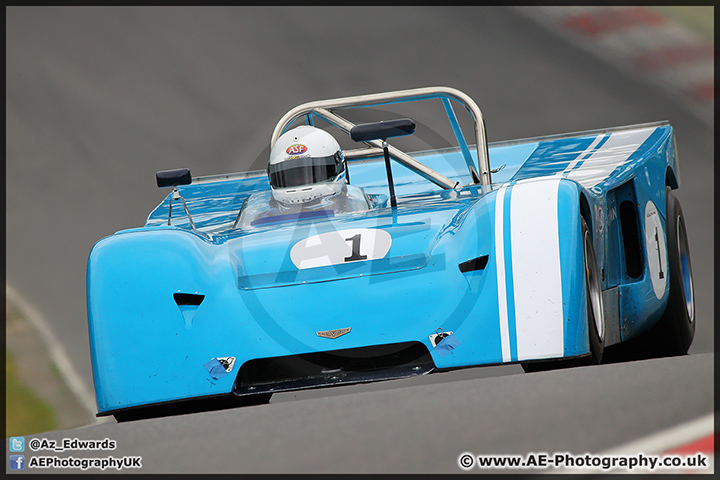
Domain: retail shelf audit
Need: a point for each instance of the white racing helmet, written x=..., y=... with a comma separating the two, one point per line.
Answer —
x=305, y=163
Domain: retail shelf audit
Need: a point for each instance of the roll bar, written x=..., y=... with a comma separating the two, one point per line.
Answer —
x=325, y=110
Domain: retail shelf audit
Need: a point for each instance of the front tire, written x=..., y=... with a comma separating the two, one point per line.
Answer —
x=595, y=313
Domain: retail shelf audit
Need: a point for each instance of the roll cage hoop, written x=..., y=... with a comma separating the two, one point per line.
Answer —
x=325, y=109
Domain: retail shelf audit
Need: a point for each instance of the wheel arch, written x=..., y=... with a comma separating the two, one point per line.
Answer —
x=585, y=211
x=671, y=178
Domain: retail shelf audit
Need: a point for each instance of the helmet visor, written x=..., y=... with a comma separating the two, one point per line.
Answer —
x=305, y=171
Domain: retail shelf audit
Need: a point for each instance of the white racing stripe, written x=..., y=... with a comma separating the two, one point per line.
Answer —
x=587, y=151
x=618, y=148
x=501, y=280
x=537, y=282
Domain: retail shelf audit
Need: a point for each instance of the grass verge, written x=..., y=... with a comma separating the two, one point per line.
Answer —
x=25, y=412
x=700, y=19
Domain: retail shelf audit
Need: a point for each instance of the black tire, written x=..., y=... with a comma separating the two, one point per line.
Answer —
x=191, y=406
x=593, y=289
x=673, y=334
x=675, y=330
x=594, y=310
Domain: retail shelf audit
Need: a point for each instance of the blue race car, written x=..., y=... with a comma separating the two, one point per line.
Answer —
x=344, y=265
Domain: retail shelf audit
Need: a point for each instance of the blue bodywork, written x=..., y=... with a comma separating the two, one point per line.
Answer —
x=500, y=267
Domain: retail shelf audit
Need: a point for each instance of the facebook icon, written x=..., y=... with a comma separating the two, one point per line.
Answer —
x=17, y=462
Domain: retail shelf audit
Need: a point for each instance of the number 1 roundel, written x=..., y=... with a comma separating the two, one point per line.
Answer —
x=655, y=249
x=339, y=247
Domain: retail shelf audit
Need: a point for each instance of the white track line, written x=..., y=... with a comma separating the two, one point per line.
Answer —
x=57, y=352
x=668, y=439
x=656, y=444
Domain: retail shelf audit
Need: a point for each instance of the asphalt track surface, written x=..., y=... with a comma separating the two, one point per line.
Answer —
x=99, y=99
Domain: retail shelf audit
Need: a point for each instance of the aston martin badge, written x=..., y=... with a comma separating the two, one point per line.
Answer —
x=333, y=333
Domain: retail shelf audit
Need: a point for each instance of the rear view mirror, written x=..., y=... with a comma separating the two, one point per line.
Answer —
x=382, y=130
x=173, y=178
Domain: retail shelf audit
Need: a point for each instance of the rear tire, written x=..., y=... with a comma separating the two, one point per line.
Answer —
x=677, y=325
x=673, y=334
x=595, y=314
